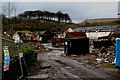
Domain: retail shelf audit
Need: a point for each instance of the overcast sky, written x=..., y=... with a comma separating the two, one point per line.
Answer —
x=78, y=11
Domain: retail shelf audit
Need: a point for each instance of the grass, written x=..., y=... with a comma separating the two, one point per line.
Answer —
x=111, y=66
x=11, y=46
x=107, y=65
x=25, y=31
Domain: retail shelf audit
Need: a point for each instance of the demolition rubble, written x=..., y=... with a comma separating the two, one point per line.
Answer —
x=99, y=41
x=105, y=55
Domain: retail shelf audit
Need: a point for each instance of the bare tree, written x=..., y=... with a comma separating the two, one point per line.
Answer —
x=8, y=9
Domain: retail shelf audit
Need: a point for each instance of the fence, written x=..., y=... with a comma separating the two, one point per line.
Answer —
x=15, y=67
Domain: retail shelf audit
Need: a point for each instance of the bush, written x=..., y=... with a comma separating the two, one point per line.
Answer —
x=30, y=55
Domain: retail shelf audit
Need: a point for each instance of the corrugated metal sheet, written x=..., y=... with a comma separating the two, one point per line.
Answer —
x=97, y=34
x=96, y=28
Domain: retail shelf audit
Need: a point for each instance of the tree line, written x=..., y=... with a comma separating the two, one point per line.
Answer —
x=46, y=15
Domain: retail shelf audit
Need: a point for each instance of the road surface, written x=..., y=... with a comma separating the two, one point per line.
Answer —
x=64, y=67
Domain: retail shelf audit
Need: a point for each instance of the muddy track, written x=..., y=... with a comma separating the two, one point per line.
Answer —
x=57, y=69
x=62, y=67
x=68, y=67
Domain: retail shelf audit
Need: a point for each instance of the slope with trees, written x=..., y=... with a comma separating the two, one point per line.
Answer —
x=46, y=15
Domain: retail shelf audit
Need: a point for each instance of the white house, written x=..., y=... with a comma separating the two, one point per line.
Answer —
x=16, y=37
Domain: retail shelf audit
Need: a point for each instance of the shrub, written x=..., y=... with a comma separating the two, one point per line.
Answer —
x=30, y=55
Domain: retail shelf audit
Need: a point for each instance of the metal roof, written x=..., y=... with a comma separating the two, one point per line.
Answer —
x=113, y=27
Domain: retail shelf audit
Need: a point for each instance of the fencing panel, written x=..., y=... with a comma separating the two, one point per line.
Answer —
x=14, y=66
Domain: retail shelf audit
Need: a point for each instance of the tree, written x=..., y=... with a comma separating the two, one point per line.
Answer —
x=47, y=15
x=33, y=14
x=28, y=14
x=66, y=17
x=37, y=14
x=21, y=16
x=59, y=15
x=53, y=16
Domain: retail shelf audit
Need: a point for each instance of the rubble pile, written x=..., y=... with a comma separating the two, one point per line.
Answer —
x=106, y=55
x=41, y=47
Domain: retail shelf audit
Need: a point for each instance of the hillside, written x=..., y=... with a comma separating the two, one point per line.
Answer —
x=99, y=22
x=17, y=24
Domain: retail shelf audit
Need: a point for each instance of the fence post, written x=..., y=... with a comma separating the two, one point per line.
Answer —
x=20, y=62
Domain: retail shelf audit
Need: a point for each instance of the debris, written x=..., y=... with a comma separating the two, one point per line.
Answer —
x=74, y=55
x=56, y=52
x=106, y=61
x=45, y=66
x=113, y=62
x=41, y=47
x=99, y=60
x=107, y=54
x=58, y=42
x=64, y=55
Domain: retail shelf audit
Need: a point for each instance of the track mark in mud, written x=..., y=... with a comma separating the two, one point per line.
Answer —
x=60, y=62
x=64, y=69
x=68, y=74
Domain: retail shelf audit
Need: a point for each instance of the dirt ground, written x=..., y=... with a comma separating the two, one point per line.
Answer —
x=72, y=66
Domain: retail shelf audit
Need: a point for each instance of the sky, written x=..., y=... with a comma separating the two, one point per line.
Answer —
x=78, y=11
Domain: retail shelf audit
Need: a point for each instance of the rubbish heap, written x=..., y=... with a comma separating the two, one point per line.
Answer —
x=106, y=55
x=41, y=48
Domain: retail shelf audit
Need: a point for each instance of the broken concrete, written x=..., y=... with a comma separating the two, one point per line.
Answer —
x=45, y=66
x=106, y=54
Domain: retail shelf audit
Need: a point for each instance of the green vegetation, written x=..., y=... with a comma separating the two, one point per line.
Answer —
x=30, y=54
x=25, y=31
x=14, y=68
x=111, y=66
x=45, y=15
x=48, y=21
x=99, y=22
x=18, y=24
x=11, y=47
x=107, y=65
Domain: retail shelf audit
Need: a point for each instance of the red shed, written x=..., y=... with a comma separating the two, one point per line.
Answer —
x=76, y=35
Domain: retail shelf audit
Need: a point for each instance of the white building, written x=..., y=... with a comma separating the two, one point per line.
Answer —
x=16, y=37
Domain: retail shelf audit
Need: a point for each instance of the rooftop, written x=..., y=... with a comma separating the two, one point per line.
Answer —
x=96, y=28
